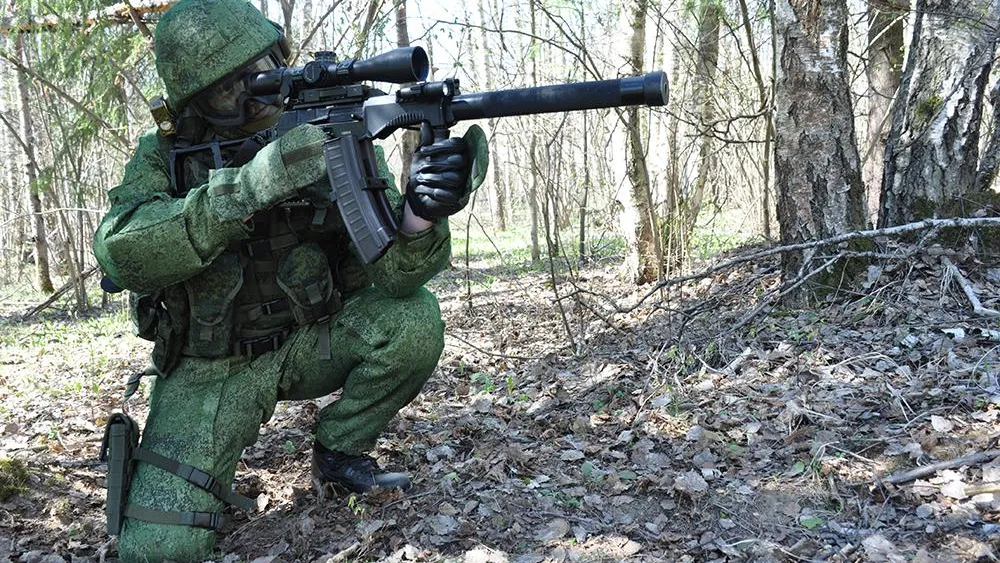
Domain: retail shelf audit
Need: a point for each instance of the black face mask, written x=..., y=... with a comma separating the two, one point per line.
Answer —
x=228, y=104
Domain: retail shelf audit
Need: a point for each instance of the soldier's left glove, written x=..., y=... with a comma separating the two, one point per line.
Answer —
x=445, y=173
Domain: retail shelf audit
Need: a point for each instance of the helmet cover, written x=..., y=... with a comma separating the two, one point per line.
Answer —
x=199, y=42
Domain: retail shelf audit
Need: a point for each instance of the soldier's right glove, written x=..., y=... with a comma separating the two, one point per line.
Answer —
x=444, y=174
x=278, y=172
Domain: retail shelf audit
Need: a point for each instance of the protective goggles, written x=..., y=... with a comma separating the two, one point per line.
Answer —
x=228, y=103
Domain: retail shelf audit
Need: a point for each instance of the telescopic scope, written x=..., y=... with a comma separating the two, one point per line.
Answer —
x=406, y=64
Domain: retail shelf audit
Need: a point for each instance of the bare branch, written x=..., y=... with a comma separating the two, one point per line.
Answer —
x=123, y=143
x=125, y=12
x=958, y=222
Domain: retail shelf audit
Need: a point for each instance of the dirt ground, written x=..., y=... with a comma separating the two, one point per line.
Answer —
x=696, y=426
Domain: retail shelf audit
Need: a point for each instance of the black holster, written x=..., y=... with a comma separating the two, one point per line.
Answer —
x=121, y=438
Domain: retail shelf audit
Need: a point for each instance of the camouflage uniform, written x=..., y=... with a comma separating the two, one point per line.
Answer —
x=246, y=312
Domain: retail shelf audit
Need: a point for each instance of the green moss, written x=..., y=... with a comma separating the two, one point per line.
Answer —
x=969, y=204
x=845, y=272
x=13, y=477
x=928, y=108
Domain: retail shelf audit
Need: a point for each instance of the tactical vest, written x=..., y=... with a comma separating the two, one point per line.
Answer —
x=292, y=271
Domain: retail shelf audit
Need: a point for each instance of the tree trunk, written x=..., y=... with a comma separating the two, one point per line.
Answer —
x=533, y=191
x=647, y=255
x=675, y=165
x=766, y=108
x=885, y=67
x=43, y=280
x=817, y=167
x=410, y=139
x=705, y=91
x=932, y=155
x=586, y=194
x=706, y=64
x=287, y=11
x=990, y=161
x=497, y=195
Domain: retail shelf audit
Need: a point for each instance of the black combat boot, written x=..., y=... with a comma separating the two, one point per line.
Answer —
x=356, y=473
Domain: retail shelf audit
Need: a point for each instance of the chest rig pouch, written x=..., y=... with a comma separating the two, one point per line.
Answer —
x=304, y=276
x=255, y=293
x=161, y=317
x=211, y=295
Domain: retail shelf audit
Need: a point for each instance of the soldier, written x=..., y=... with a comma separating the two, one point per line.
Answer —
x=251, y=291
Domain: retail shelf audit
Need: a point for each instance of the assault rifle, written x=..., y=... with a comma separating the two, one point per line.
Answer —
x=330, y=94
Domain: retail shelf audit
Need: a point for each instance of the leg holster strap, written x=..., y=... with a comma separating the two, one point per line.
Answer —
x=120, y=449
x=209, y=520
x=198, y=478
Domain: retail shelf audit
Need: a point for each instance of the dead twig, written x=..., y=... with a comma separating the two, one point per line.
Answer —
x=985, y=488
x=970, y=292
x=913, y=474
x=932, y=224
x=59, y=293
x=346, y=554
x=494, y=354
x=102, y=552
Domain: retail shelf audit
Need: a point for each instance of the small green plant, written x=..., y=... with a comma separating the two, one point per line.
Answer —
x=484, y=381
x=812, y=522
x=355, y=506
x=13, y=477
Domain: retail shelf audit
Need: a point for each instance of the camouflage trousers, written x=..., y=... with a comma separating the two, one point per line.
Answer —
x=384, y=350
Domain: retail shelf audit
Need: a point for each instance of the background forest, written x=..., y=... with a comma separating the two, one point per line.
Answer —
x=725, y=329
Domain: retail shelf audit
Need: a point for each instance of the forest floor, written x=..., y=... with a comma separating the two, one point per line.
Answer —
x=695, y=426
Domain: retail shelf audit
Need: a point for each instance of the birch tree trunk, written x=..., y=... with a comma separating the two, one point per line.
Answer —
x=705, y=91
x=497, y=195
x=644, y=265
x=43, y=280
x=932, y=155
x=533, y=190
x=884, y=70
x=410, y=139
x=817, y=167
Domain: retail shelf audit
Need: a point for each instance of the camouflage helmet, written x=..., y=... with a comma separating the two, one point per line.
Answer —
x=201, y=41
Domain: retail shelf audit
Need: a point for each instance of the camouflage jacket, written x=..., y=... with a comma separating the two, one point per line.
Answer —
x=203, y=286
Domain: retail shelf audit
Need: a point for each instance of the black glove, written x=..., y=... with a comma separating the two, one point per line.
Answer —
x=439, y=179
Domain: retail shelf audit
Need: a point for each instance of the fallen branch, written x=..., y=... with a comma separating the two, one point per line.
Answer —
x=346, y=554
x=958, y=222
x=970, y=292
x=773, y=296
x=59, y=293
x=926, y=470
x=982, y=489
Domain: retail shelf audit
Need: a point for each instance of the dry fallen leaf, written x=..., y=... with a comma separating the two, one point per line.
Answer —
x=691, y=483
x=942, y=424
x=554, y=530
